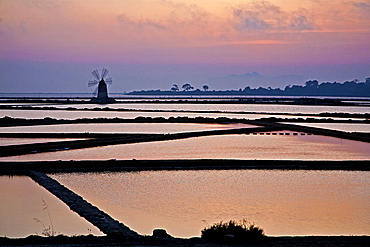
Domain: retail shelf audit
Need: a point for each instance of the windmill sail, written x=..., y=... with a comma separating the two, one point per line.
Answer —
x=93, y=83
x=108, y=80
x=104, y=73
x=96, y=74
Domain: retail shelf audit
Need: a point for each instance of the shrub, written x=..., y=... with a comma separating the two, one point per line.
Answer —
x=243, y=231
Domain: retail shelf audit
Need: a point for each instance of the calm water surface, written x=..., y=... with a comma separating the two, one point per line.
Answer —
x=158, y=128
x=63, y=114
x=183, y=202
x=261, y=147
x=21, y=202
x=349, y=127
x=18, y=141
x=233, y=107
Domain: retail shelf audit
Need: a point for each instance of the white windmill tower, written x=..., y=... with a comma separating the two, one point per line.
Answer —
x=100, y=82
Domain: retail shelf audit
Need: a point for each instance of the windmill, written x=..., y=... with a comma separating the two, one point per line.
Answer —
x=99, y=83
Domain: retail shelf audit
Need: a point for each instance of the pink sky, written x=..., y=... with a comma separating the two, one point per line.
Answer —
x=275, y=37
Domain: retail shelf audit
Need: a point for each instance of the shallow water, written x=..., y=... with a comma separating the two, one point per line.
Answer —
x=183, y=202
x=266, y=108
x=269, y=146
x=21, y=202
x=348, y=127
x=18, y=141
x=63, y=114
x=281, y=202
x=157, y=128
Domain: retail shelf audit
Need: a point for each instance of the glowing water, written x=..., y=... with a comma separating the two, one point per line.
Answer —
x=281, y=202
x=21, y=201
x=262, y=147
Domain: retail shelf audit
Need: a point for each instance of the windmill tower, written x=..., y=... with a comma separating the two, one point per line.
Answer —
x=100, y=82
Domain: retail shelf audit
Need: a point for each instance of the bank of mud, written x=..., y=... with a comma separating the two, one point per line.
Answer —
x=14, y=168
x=303, y=241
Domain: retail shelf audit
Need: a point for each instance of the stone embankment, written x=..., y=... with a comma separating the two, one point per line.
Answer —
x=13, y=168
x=100, y=219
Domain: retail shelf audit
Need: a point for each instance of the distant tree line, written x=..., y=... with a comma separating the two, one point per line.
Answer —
x=353, y=88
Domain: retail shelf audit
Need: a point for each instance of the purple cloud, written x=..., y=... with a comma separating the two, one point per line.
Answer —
x=265, y=16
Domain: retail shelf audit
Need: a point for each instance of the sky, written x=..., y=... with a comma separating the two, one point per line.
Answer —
x=53, y=45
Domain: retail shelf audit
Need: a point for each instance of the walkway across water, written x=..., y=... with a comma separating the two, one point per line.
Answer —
x=100, y=219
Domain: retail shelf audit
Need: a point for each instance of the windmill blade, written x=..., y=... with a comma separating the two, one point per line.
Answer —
x=104, y=73
x=95, y=73
x=95, y=92
x=92, y=83
x=108, y=80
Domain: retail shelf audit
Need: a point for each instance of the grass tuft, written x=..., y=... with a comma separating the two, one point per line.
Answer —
x=47, y=231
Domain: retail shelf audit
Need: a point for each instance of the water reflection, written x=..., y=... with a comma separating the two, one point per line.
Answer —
x=349, y=127
x=62, y=114
x=21, y=202
x=267, y=108
x=158, y=128
x=270, y=146
x=18, y=141
x=281, y=202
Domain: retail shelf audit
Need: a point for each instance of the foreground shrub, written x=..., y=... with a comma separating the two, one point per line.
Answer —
x=235, y=231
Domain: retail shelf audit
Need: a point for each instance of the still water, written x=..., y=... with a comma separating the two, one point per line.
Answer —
x=348, y=127
x=184, y=202
x=21, y=202
x=63, y=114
x=157, y=128
x=18, y=141
x=269, y=146
x=263, y=108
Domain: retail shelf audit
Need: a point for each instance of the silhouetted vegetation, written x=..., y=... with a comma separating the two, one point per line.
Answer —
x=46, y=231
x=187, y=87
x=233, y=232
x=353, y=88
x=175, y=88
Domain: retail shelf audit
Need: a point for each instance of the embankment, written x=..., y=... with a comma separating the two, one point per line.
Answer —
x=100, y=219
x=196, y=164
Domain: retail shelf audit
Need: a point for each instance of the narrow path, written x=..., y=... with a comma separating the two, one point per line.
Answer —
x=98, y=218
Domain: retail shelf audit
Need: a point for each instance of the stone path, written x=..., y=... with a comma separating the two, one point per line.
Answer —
x=100, y=219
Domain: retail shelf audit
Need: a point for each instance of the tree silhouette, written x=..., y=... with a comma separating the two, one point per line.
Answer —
x=312, y=84
x=367, y=82
x=353, y=88
x=187, y=87
x=175, y=88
